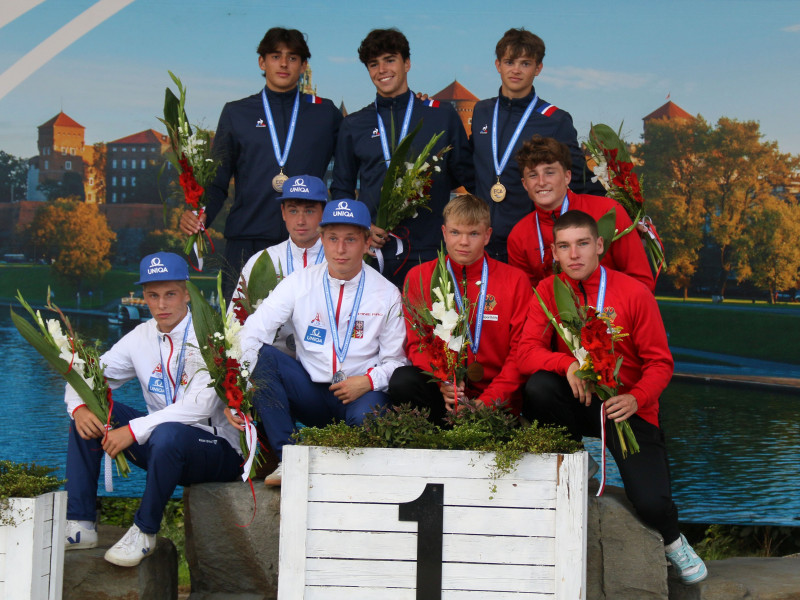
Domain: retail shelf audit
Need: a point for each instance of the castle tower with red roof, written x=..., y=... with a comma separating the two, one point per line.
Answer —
x=60, y=148
x=669, y=111
x=462, y=100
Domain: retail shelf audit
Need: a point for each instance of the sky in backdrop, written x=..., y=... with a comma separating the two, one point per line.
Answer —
x=611, y=62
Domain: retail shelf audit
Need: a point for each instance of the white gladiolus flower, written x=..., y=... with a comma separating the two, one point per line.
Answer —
x=455, y=343
x=409, y=166
x=232, y=328
x=424, y=166
x=435, y=158
x=437, y=169
x=581, y=354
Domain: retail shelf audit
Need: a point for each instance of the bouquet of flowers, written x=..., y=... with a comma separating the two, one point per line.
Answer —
x=191, y=157
x=77, y=362
x=613, y=168
x=407, y=184
x=217, y=335
x=590, y=335
x=251, y=291
x=442, y=327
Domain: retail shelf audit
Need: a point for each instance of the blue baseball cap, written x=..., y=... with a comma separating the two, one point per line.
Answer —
x=162, y=266
x=346, y=212
x=304, y=187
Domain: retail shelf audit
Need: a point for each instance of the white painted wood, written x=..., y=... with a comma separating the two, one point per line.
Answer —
x=33, y=560
x=294, y=502
x=346, y=540
x=571, y=514
x=485, y=577
x=479, y=520
x=468, y=492
x=59, y=530
x=365, y=545
x=382, y=593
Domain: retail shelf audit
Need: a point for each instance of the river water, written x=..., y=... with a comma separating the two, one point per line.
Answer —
x=733, y=452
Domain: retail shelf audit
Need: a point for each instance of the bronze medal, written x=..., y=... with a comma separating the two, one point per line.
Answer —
x=278, y=181
x=475, y=372
x=498, y=192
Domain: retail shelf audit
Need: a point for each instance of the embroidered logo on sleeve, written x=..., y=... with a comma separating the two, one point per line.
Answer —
x=260, y=123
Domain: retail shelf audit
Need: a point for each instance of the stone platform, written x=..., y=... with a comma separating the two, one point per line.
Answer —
x=88, y=575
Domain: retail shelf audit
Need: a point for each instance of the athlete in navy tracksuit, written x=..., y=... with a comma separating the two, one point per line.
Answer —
x=359, y=154
x=548, y=121
x=244, y=145
x=519, y=60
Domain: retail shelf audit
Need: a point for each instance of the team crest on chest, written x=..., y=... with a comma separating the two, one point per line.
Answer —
x=358, y=329
x=260, y=123
x=484, y=130
x=491, y=302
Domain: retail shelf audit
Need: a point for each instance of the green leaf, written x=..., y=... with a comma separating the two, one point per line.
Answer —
x=608, y=138
x=565, y=301
x=263, y=278
x=606, y=226
x=398, y=160
x=205, y=320
x=51, y=355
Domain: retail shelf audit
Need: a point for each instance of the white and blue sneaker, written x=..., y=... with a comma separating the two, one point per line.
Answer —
x=690, y=567
x=79, y=535
x=134, y=546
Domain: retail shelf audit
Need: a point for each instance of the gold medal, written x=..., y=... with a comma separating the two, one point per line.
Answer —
x=498, y=192
x=278, y=181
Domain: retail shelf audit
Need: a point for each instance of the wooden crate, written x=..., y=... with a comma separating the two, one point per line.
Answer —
x=32, y=551
x=423, y=524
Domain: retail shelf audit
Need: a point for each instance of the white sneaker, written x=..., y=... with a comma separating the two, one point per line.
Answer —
x=132, y=548
x=77, y=537
x=274, y=478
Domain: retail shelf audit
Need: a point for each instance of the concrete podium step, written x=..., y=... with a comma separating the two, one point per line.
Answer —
x=88, y=575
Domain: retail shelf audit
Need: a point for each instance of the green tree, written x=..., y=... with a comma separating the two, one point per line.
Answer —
x=675, y=176
x=76, y=235
x=745, y=170
x=771, y=256
x=13, y=177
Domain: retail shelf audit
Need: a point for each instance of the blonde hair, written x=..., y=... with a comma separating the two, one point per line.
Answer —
x=467, y=209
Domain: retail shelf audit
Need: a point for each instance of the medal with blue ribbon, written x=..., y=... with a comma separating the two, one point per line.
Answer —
x=280, y=178
x=498, y=190
x=403, y=130
x=341, y=349
x=475, y=372
x=168, y=393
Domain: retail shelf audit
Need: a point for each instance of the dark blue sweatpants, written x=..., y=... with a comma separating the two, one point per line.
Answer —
x=284, y=394
x=175, y=454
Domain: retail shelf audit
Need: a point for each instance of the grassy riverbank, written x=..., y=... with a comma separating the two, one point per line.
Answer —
x=33, y=281
x=753, y=330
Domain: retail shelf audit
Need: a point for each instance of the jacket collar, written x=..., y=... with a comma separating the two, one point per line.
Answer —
x=399, y=101
x=506, y=102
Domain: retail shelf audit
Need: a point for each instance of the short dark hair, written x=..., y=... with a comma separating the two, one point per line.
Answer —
x=538, y=150
x=520, y=42
x=294, y=40
x=383, y=41
x=575, y=218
